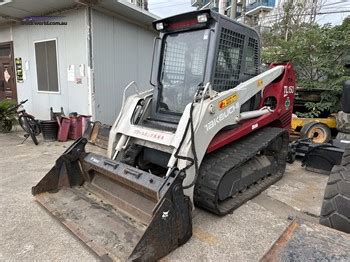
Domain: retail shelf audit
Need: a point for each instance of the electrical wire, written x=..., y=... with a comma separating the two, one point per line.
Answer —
x=336, y=3
x=158, y=7
x=194, y=160
x=307, y=14
x=166, y=3
x=193, y=149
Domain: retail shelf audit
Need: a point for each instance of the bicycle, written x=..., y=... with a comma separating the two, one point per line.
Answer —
x=28, y=122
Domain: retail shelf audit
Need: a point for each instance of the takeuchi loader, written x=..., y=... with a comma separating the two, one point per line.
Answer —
x=212, y=133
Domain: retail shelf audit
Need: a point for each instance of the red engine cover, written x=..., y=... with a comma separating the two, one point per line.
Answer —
x=282, y=90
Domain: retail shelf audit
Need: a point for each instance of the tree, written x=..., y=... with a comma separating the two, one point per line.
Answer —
x=317, y=54
x=290, y=15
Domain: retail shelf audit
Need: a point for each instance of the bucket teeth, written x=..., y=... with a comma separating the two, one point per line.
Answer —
x=119, y=211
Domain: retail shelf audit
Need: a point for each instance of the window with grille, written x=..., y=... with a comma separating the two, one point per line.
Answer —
x=182, y=69
x=174, y=61
x=228, y=64
x=46, y=66
x=252, y=58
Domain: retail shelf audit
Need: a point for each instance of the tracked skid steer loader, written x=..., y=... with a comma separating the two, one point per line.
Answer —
x=212, y=133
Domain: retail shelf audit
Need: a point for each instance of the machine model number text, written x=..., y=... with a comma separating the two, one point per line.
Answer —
x=288, y=90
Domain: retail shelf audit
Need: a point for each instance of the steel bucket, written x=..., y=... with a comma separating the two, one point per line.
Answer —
x=120, y=212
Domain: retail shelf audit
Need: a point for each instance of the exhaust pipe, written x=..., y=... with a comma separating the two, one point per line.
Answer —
x=120, y=212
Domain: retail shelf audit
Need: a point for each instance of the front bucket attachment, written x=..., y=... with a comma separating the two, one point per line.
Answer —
x=120, y=212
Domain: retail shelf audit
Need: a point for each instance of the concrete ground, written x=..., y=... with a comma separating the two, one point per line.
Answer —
x=29, y=233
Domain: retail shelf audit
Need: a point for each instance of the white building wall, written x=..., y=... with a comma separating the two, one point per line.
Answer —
x=71, y=49
x=5, y=34
x=122, y=52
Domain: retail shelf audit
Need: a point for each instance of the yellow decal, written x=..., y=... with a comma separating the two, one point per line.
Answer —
x=228, y=101
x=260, y=83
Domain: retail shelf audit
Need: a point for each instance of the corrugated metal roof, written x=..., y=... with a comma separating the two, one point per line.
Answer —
x=15, y=11
x=130, y=12
x=21, y=8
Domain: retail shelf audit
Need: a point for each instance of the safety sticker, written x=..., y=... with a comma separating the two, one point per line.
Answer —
x=228, y=101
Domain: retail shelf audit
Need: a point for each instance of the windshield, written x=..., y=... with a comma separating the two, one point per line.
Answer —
x=184, y=57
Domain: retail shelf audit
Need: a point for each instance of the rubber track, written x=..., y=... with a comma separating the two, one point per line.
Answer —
x=215, y=165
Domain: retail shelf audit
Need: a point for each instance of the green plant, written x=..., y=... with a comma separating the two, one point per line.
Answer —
x=7, y=119
x=6, y=104
x=317, y=53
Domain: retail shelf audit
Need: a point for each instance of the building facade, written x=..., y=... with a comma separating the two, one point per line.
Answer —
x=82, y=62
x=140, y=3
x=262, y=14
x=252, y=12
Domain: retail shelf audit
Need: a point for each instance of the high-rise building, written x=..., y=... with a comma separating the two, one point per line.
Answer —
x=251, y=12
x=262, y=14
x=143, y=4
x=214, y=4
x=259, y=12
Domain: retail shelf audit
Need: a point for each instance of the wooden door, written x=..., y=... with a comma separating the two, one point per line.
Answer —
x=8, y=88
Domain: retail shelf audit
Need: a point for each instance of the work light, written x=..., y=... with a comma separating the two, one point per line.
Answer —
x=159, y=26
x=202, y=18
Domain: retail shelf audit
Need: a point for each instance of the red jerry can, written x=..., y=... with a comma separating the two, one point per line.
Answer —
x=84, y=120
x=75, y=129
x=63, y=129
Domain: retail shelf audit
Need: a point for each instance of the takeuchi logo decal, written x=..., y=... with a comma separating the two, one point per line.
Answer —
x=229, y=111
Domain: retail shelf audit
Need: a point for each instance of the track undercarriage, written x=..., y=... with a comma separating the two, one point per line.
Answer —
x=241, y=170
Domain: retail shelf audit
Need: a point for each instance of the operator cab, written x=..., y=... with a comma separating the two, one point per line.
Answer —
x=196, y=48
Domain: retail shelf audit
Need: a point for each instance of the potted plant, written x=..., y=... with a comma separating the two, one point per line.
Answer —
x=7, y=117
